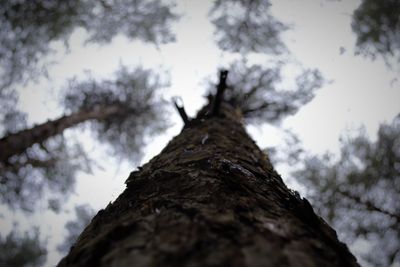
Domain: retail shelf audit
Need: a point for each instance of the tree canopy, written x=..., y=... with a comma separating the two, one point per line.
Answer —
x=43, y=170
x=377, y=26
x=22, y=250
x=50, y=166
x=83, y=214
x=247, y=26
x=359, y=193
x=140, y=110
x=31, y=28
x=254, y=90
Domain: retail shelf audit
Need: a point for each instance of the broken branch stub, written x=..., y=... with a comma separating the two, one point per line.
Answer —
x=220, y=92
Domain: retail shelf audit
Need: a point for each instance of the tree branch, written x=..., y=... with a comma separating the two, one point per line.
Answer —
x=368, y=204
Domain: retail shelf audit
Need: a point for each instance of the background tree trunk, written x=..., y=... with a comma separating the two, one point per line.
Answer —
x=210, y=198
x=17, y=143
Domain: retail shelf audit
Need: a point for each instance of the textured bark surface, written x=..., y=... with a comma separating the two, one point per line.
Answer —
x=15, y=144
x=210, y=198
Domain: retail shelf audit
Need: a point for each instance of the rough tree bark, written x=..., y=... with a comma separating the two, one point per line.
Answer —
x=210, y=198
x=17, y=143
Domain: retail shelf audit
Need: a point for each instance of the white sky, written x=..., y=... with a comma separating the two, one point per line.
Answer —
x=362, y=92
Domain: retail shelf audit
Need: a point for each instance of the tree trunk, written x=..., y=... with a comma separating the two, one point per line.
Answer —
x=17, y=143
x=210, y=198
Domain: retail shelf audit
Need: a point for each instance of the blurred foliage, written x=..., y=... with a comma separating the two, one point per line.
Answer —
x=22, y=251
x=11, y=119
x=287, y=153
x=254, y=90
x=140, y=114
x=49, y=169
x=84, y=215
x=359, y=194
x=43, y=170
x=29, y=28
x=247, y=26
x=377, y=26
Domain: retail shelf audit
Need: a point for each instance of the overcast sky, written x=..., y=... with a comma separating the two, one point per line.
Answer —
x=359, y=91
